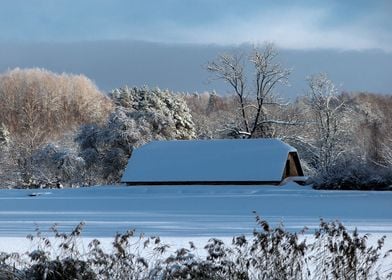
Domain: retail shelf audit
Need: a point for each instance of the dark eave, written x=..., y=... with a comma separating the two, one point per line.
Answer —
x=192, y=183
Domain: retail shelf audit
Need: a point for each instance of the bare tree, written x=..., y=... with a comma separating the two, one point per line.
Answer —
x=326, y=112
x=4, y=135
x=373, y=126
x=37, y=105
x=254, y=95
x=388, y=152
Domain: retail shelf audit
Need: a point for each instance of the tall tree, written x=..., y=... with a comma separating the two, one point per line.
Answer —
x=141, y=115
x=254, y=93
x=326, y=112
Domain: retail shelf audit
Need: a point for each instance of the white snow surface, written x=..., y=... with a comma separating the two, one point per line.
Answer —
x=208, y=160
x=190, y=211
x=180, y=214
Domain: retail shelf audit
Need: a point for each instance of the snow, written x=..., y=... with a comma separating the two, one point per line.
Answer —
x=190, y=211
x=180, y=214
x=208, y=160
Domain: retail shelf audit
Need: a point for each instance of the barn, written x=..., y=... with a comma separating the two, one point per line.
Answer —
x=212, y=162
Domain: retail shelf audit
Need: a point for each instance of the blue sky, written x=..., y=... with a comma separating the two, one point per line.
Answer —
x=345, y=25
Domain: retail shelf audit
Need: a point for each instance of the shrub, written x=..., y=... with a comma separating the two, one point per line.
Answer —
x=354, y=174
x=341, y=255
x=272, y=253
x=53, y=166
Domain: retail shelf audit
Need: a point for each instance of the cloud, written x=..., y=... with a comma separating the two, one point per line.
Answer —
x=290, y=29
x=302, y=24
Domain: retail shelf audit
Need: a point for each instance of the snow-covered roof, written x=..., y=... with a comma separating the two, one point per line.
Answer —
x=245, y=160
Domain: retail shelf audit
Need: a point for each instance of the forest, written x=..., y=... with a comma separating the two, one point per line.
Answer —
x=60, y=130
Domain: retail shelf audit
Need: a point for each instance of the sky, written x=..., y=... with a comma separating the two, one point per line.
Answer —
x=358, y=28
x=349, y=24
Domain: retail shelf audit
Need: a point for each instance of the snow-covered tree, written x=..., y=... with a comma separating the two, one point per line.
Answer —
x=387, y=148
x=54, y=166
x=326, y=114
x=373, y=126
x=106, y=149
x=253, y=93
x=7, y=165
x=166, y=113
x=141, y=115
x=4, y=136
x=38, y=106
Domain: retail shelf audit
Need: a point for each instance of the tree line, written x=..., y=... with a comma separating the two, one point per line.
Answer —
x=59, y=129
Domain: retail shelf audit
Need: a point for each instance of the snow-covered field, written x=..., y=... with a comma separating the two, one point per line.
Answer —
x=180, y=213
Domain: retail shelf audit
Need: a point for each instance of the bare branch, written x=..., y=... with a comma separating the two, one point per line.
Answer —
x=282, y=122
x=230, y=68
x=267, y=75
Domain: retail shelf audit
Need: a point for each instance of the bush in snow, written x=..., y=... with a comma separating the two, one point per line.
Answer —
x=52, y=166
x=67, y=262
x=354, y=173
x=272, y=253
x=341, y=255
x=105, y=151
